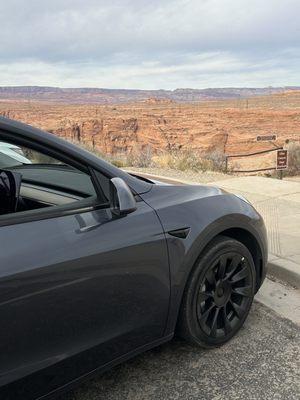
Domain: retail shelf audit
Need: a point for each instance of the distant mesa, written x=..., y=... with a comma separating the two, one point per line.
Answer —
x=155, y=100
x=116, y=96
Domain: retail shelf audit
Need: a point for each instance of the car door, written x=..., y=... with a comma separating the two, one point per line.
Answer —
x=78, y=290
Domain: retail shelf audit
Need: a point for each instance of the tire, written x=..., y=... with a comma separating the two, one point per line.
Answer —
x=218, y=295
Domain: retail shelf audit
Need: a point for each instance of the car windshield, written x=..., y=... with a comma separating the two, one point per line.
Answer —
x=8, y=162
x=14, y=156
x=56, y=176
x=44, y=171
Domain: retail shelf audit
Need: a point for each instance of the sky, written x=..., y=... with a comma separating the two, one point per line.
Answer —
x=150, y=44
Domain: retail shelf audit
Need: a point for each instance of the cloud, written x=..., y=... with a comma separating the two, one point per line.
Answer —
x=150, y=44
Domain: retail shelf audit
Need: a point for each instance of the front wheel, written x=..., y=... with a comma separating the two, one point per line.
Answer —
x=219, y=294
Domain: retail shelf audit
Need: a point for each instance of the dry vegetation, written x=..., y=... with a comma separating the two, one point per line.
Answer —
x=294, y=160
x=181, y=160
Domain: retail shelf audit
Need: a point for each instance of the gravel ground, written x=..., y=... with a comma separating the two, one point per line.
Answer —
x=188, y=176
x=292, y=178
x=261, y=362
x=194, y=176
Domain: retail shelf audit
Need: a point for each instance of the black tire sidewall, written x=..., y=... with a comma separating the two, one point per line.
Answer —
x=189, y=322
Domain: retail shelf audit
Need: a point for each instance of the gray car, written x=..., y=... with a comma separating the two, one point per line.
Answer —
x=97, y=265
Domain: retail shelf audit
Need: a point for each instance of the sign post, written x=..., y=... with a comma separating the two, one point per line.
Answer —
x=266, y=138
x=282, y=161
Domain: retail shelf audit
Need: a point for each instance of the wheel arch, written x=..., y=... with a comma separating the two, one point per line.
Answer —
x=243, y=236
x=240, y=233
x=249, y=240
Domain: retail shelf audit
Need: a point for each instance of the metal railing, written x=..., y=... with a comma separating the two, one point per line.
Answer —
x=250, y=155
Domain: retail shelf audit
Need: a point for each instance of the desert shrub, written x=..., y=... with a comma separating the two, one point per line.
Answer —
x=218, y=160
x=139, y=157
x=192, y=160
x=88, y=147
x=294, y=159
x=187, y=160
x=182, y=160
x=163, y=160
x=118, y=162
x=178, y=159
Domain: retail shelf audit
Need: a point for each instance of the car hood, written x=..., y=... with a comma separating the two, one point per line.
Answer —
x=171, y=194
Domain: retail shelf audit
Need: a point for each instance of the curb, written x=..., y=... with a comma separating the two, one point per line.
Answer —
x=284, y=270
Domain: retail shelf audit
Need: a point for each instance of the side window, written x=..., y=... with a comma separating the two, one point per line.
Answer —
x=32, y=180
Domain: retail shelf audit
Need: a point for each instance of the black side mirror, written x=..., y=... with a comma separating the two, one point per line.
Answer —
x=10, y=184
x=122, y=199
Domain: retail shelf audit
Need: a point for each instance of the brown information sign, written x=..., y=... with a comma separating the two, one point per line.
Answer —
x=266, y=138
x=282, y=159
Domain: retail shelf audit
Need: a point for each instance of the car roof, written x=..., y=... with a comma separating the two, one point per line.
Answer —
x=19, y=130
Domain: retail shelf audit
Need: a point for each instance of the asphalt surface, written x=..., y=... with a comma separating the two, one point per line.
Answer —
x=261, y=362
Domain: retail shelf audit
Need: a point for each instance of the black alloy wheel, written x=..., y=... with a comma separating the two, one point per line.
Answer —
x=219, y=294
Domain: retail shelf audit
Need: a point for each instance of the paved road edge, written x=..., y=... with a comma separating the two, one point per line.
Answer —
x=284, y=270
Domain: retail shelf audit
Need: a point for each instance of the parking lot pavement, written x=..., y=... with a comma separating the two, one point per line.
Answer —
x=279, y=203
x=261, y=362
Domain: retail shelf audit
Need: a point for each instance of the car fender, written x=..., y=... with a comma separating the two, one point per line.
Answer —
x=205, y=216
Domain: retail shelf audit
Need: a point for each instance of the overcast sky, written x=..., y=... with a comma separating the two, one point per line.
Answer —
x=150, y=44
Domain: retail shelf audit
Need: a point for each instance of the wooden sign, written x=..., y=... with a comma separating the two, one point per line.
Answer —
x=282, y=159
x=266, y=138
